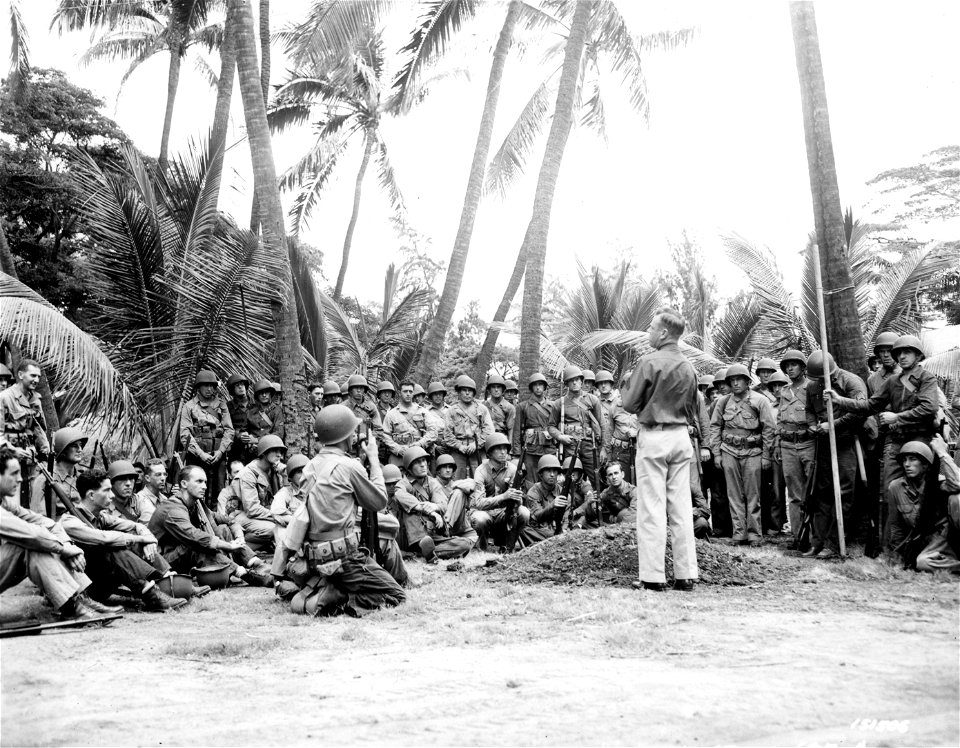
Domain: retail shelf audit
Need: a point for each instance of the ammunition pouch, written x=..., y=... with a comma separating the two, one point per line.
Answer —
x=535, y=438
x=742, y=441
x=209, y=438
x=320, y=553
x=404, y=439
x=621, y=445
x=796, y=436
x=577, y=430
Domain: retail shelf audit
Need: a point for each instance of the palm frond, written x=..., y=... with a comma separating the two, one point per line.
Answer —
x=145, y=54
x=313, y=333
x=19, y=51
x=344, y=350
x=210, y=37
x=311, y=173
x=945, y=365
x=330, y=25
x=206, y=70
x=736, y=327
x=552, y=360
x=387, y=176
x=639, y=342
x=75, y=15
x=123, y=46
x=285, y=113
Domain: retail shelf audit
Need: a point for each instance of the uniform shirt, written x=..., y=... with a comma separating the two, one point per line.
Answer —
x=238, y=413
x=615, y=500
x=793, y=407
x=749, y=415
x=465, y=423
x=140, y=508
x=493, y=481
x=663, y=389
x=198, y=414
x=532, y=426
x=106, y=529
x=415, y=497
x=67, y=481
x=366, y=410
x=619, y=424
x=702, y=425
x=436, y=416
x=913, y=395
x=255, y=488
x=582, y=416
x=179, y=530
x=263, y=420
x=540, y=501
x=408, y=426
x=851, y=389
x=285, y=502
x=762, y=389
x=30, y=530
x=466, y=485
x=21, y=420
x=503, y=414
x=877, y=378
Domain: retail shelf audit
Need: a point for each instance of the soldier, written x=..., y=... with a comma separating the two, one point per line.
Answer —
x=545, y=500
x=345, y=390
x=264, y=417
x=874, y=458
x=6, y=377
x=620, y=425
x=386, y=397
x=315, y=391
x=126, y=503
x=826, y=543
x=154, y=484
x=436, y=410
x=23, y=429
x=388, y=528
x=407, y=426
x=419, y=396
x=589, y=382
x=331, y=395
x=289, y=498
x=187, y=538
x=255, y=486
x=511, y=392
x=766, y=367
x=238, y=388
x=742, y=432
x=495, y=510
x=467, y=425
x=937, y=527
x=796, y=431
x=883, y=350
x=720, y=383
x=575, y=419
x=345, y=578
x=581, y=496
x=446, y=466
x=619, y=498
x=435, y=526
x=68, y=444
x=206, y=430
x=533, y=427
x=772, y=487
x=502, y=411
x=705, y=383
x=362, y=405
x=907, y=405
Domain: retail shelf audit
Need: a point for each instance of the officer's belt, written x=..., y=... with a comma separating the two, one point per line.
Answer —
x=796, y=436
x=329, y=546
x=742, y=441
x=620, y=443
x=787, y=426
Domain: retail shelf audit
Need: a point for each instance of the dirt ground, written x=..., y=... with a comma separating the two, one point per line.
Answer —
x=827, y=654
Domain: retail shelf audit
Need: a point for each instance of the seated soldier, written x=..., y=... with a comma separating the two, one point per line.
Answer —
x=289, y=498
x=583, y=499
x=388, y=526
x=923, y=521
x=188, y=539
x=133, y=506
x=68, y=444
x=495, y=510
x=433, y=526
x=35, y=546
x=154, y=484
x=108, y=542
x=619, y=498
x=256, y=485
x=228, y=502
x=446, y=467
x=545, y=501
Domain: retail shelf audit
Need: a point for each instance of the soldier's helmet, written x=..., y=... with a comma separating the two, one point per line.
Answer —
x=885, y=340
x=766, y=364
x=236, y=379
x=536, y=377
x=391, y=474
x=277, y=387
x=576, y=466
x=778, y=377
x=815, y=363
x=413, y=454
x=418, y=390
x=792, y=355
x=268, y=442
x=386, y=386
x=334, y=423
x=571, y=372
x=121, y=469
x=356, y=380
x=496, y=379
x=435, y=387
x=496, y=440
x=705, y=380
x=330, y=388
x=205, y=376
x=463, y=382
x=603, y=376
x=736, y=370
x=919, y=449
x=547, y=461
x=262, y=385
x=511, y=386
x=720, y=376
x=5, y=372
x=589, y=376
x=908, y=342
x=344, y=390
x=64, y=437
x=295, y=463
x=445, y=460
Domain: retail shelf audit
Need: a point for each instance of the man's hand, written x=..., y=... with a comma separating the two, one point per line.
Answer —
x=217, y=456
x=765, y=463
x=565, y=440
x=437, y=520
x=561, y=502
x=73, y=558
x=705, y=454
x=717, y=463
x=469, y=448
x=23, y=454
x=370, y=447
x=778, y=456
x=823, y=428
x=150, y=551
x=430, y=508
x=603, y=455
x=887, y=418
x=939, y=446
x=206, y=457
x=512, y=494
x=828, y=395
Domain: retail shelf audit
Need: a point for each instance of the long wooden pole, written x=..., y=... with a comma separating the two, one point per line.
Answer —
x=828, y=384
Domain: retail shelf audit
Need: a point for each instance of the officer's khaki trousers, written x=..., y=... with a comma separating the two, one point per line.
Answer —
x=663, y=499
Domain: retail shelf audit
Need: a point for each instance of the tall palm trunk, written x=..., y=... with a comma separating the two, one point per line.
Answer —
x=289, y=353
x=843, y=320
x=265, y=87
x=348, y=239
x=461, y=245
x=177, y=33
x=228, y=69
x=493, y=331
x=535, y=241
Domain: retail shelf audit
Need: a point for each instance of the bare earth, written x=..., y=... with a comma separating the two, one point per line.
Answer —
x=857, y=653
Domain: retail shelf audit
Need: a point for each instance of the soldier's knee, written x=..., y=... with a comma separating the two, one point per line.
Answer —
x=481, y=521
x=523, y=516
x=701, y=528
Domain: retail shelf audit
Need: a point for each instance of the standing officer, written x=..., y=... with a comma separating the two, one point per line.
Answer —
x=502, y=412
x=407, y=426
x=575, y=417
x=23, y=429
x=662, y=391
x=533, y=428
x=238, y=388
x=467, y=424
x=795, y=444
x=386, y=397
x=772, y=487
x=206, y=430
x=436, y=410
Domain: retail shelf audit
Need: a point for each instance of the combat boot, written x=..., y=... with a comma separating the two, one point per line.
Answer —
x=75, y=610
x=157, y=602
x=98, y=607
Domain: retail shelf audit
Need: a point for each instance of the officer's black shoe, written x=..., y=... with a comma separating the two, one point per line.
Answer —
x=654, y=586
x=684, y=585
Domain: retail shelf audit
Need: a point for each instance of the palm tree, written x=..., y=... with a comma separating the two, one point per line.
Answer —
x=346, y=96
x=843, y=328
x=138, y=30
x=19, y=51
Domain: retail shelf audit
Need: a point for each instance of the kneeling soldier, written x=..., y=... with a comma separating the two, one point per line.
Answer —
x=495, y=510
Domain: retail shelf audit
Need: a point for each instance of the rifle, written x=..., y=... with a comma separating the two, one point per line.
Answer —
x=63, y=495
x=596, y=477
x=802, y=542
x=103, y=455
x=633, y=460
x=93, y=456
x=568, y=491
x=696, y=454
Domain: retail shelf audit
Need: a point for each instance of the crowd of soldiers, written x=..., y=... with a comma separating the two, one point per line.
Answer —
x=388, y=475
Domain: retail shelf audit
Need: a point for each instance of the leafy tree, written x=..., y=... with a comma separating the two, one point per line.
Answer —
x=691, y=290
x=926, y=191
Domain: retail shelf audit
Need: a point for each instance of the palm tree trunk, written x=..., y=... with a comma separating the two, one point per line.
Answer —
x=228, y=69
x=430, y=353
x=535, y=242
x=265, y=87
x=289, y=352
x=843, y=320
x=177, y=33
x=348, y=239
x=493, y=331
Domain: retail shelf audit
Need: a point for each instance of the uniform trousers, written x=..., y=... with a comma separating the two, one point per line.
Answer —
x=44, y=569
x=797, y=460
x=108, y=568
x=719, y=504
x=466, y=464
x=772, y=491
x=940, y=553
x=260, y=534
x=663, y=500
x=365, y=584
x=825, y=507
x=743, y=490
x=492, y=524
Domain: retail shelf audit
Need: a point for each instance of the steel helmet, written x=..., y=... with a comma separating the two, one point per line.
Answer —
x=268, y=442
x=277, y=387
x=331, y=388
x=547, y=461
x=413, y=454
x=576, y=466
x=334, y=423
x=295, y=463
x=205, y=376
x=344, y=390
x=463, y=382
x=64, y=437
x=720, y=376
x=766, y=364
x=511, y=386
x=885, y=340
x=5, y=371
x=589, y=376
x=418, y=390
x=571, y=372
x=536, y=377
x=356, y=380
x=705, y=380
x=386, y=386
x=262, y=385
x=496, y=379
x=435, y=387
x=391, y=473
x=604, y=376
x=792, y=355
x=445, y=460
x=778, y=377
x=495, y=440
x=815, y=364
x=121, y=469
x=237, y=379
x=736, y=370
x=908, y=342
x=919, y=449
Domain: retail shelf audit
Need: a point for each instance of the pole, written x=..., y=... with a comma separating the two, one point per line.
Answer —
x=827, y=383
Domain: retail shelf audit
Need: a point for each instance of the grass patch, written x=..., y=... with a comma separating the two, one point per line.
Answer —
x=239, y=647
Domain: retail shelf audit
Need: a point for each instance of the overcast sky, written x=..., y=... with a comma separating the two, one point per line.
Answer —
x=724, y=150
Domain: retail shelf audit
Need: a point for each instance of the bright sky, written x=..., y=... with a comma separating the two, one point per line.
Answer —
x=724, y=151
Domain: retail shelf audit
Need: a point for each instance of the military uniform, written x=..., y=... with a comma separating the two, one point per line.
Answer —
x=416, y=498
x=366, y=410
x=466, y=425
x=22, y=425
x=407, y=426
x=285, y=502
x=582, y=420
x=503, y=414
x=255, y=488
x=238, y=417
x=795, y=446
x=533, y=428
x=622, y=428
x=619, y=503
x=140, y=508
x=65, y=476
x=488, y=510
x=205, y=429
x=539, y=501
x=773, y=485
x=263, y=420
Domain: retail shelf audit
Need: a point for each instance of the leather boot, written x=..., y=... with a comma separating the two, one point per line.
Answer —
x=157, y=602
x=98, y=607
x=75, y=610
x=428, y=549
x=255, y=579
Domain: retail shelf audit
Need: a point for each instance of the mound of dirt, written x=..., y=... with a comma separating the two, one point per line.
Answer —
x=609, y=557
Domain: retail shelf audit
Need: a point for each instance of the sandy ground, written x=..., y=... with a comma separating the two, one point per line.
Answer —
x=835, y=655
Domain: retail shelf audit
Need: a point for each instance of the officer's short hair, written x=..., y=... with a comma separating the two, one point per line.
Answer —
x=6, y=454
x=153, y=462
x=407, y=383
x=186, y=472
x=90, y=480
x=613, y=465
x=26, y=363
x=672, y=321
